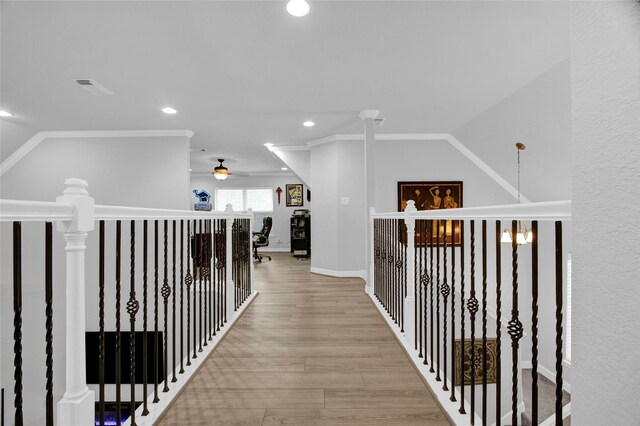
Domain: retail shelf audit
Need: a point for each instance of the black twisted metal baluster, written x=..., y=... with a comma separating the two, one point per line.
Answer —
x=418, y=279
x=17, y=323
x=196, y=278
x=132, y=309
x=145, y=349
x=188, y=280
x=472, y=307
x=217, y=256
x=534, y=323
x=499, y=324
x=48, y=298
x=484, y=322
x=453, y=311
x=173, y=304
x=205, y=276
x=118, y=336
x=394, y=278
x=462, y=324
x=431, y=284
x=156, y=349
x=445, y=290
x=223, y=269
x=182, y=278
x=166, y=292
x=438, y=302
x=415, y=279
x=515, y=326
x=200, y=273
x=402, y=254
x=559, y=285
x=101, y=339
x=424, y=280
x=212, y=283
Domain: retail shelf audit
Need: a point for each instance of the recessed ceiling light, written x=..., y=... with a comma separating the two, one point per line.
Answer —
x=4, y=113
x=298, y=7
x=308, y=124
x=284, y=168
x=169, y=110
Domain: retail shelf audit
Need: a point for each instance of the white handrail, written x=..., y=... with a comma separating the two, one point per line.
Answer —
x=545, y=211
x=132, y=213
x=30, y=211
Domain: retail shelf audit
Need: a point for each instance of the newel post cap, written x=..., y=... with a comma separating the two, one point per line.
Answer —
x=76, y=193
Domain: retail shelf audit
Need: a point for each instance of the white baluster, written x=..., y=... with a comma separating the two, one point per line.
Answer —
x=409, y=308
x=77, y=406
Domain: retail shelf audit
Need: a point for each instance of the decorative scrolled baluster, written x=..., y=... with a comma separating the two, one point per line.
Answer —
x=188, y=280
x=515, y=326
x=472, y=307
x=438, y=302
x=173, y=304
x=432, y=243
x=559, y=345
x=132, y=309
x=101, y=338
x=453, y=311
x=182, y=279
x=156, y=336
x=534, y=323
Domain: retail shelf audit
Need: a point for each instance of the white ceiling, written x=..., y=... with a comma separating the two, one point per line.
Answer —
x=243, y=73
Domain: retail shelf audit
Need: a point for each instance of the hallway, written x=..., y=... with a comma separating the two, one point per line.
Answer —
x=310, y=350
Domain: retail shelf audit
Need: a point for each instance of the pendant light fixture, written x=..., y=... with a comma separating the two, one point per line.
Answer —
x=221, y=172
x=523, y=235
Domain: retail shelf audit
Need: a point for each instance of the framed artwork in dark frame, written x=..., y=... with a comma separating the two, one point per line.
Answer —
x=433, y=195
x=293, y=195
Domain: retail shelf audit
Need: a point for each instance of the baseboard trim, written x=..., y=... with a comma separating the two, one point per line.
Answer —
x=275, y=250
x=339, y=274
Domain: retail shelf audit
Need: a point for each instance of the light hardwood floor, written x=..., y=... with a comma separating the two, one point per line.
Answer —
x=310, y=350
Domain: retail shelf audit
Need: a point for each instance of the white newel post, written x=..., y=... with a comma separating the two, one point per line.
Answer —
x=409, y=300
x=369, y=285
x=231, y=300
x=251, y=265
x=77, y=406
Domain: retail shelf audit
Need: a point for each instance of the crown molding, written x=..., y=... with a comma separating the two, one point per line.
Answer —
x=290, y=148
x=28, y=146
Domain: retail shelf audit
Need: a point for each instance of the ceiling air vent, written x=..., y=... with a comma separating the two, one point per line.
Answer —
x=93, y=86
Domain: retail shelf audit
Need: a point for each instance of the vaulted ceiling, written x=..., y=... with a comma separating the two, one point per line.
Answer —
x=241, y=73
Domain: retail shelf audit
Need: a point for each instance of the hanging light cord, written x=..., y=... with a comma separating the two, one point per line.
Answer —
x=518, y=149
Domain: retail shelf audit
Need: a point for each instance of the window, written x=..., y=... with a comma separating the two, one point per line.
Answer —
x=242, y=199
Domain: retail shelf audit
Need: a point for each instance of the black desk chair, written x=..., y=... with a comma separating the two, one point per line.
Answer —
x=261, y=239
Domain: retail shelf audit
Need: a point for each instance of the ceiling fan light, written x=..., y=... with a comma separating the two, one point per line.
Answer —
x=221, y=172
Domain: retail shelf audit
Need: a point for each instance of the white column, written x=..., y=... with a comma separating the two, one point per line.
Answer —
x=370, y=280
x=368, y=116
x=77, y=406
x=231, y=300
x=409, y=300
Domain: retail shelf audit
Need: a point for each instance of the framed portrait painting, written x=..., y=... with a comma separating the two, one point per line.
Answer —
x=293, y=195
x=436, y=195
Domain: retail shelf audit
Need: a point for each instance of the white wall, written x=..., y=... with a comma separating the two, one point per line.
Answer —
x=324, y=222
x=606, y=172
x=398, y=161
x=137, y=172
x=299, y=162
x=538, y=115
x=279, y=239
x=13, y=135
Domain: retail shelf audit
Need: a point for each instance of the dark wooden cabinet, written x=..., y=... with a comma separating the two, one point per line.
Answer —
x=301, y=235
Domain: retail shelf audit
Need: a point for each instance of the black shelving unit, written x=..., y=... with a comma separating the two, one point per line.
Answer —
x=301, y=234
